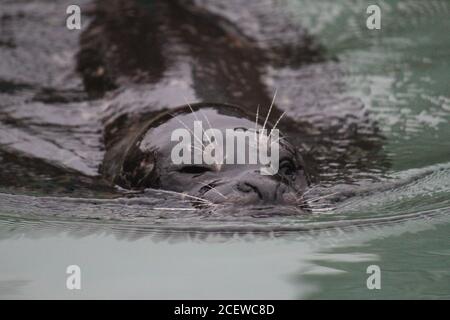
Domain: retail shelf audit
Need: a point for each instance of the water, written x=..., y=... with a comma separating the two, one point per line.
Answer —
x=126, y=248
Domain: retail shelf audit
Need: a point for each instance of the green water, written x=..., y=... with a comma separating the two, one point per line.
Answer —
x=402, y=73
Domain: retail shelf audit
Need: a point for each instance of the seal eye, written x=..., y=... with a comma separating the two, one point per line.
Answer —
x=194, y=169
x=287, y=168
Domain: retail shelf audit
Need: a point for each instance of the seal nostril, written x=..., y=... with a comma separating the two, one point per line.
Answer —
x=247, y=187
x=244, y=187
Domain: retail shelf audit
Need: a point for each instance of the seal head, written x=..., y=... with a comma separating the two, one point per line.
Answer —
x=147, y=159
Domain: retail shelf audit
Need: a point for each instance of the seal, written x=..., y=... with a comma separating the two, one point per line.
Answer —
x=136, y=61
x=147, y=58
x=142, y=158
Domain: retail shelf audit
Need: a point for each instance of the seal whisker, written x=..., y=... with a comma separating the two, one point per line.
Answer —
x=257, y=117
x=256, y=121
x=196, y=148
x=192, y=110
x=307, y=191
x=321, y=211
x=313, y=205
x=213, y=189
x=321, y=197
x=194, y=201
x=313, y=188
x=193, y=134
x=196, y=118
x=209, y=125
x=279, y=139
x=175, y=209
x=324, y=208
x=276, y=123
x=207, y=120
x=270, y=109
x=185, y=195
x=318, y=207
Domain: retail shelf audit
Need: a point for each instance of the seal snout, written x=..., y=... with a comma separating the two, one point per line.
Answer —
x=249, y=189
x=264, y=189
